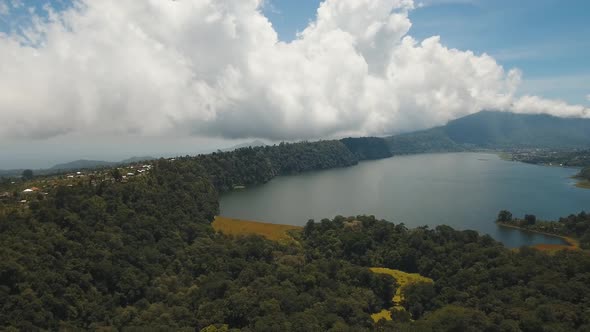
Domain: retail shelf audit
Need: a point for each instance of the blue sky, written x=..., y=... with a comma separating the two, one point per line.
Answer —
x=549, y=40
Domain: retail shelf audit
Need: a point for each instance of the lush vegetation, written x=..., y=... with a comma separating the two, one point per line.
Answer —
x=114, y=253
x=478, y=284
x=248, y=166
x=574, y=226
x=403, y=280
x=366, y=148
x=433, y=140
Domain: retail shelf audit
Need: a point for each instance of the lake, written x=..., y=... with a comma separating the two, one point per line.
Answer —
x=462, y=190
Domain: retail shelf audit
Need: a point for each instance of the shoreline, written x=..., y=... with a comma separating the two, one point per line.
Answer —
x=571, y=242
x=582, y=183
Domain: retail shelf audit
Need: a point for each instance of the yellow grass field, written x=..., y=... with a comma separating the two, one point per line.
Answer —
x=237, y=227
x=553, y=248
x=403, y=279
x=573, y=244
x=583, y=184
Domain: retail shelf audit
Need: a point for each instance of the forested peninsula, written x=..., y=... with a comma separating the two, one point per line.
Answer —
x=126, y=253
x=574, y=227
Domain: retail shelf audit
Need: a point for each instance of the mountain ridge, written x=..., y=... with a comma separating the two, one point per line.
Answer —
x=496, y=130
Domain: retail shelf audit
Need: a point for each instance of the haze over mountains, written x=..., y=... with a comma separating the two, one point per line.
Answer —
x=502, y=129
x=82, y=163
x=92, y=164
x=483, y=130
x=497, y=130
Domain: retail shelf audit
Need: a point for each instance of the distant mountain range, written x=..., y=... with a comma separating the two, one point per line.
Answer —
x=253, y=144
x=88, y=164
x=497, y=130
x=76, y=165
x=483, y=130
x=93, y=164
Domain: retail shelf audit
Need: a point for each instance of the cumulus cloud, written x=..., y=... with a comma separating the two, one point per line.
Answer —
x=217, y=68
x=4, y=9
x=534, y=104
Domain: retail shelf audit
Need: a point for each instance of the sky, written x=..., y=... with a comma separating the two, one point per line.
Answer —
x=549, y=40
x=111, y=79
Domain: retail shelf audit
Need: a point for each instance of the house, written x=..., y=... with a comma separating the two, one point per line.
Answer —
x=4, y=196
x=28, y=191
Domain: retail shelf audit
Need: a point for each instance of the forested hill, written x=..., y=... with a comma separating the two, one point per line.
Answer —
x=254, y=165
x=365, y=148
x=497, y=130
x=505, y=129
x=107, y=254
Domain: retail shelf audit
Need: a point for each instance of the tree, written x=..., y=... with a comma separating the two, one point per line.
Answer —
x=418, y=298
x=116, y=174
x=504, y=216
x=27, y=174
x=530, y=219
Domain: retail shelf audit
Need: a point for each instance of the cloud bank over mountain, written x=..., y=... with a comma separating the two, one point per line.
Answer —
x=217, y=68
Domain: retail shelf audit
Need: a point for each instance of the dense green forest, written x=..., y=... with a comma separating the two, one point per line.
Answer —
x=248, y=166
x=366, y=148
x=116, y=255
x=575, y=226
x=428, y=141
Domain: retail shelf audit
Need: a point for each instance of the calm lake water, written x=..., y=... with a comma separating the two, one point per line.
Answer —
x=463, y=190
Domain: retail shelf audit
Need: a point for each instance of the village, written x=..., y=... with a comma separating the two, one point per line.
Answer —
x=550, y=157
x=24, y=190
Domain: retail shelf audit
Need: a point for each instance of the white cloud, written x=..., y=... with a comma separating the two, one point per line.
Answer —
x=4, y=9
x=16, y=3
x=217, y=68
x=534, y=104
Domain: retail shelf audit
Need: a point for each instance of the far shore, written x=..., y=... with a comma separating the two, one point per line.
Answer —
x=571, y=242
x=581, y=183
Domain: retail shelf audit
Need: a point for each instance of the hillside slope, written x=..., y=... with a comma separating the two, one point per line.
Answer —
x=496, y=130
x=503, y=129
